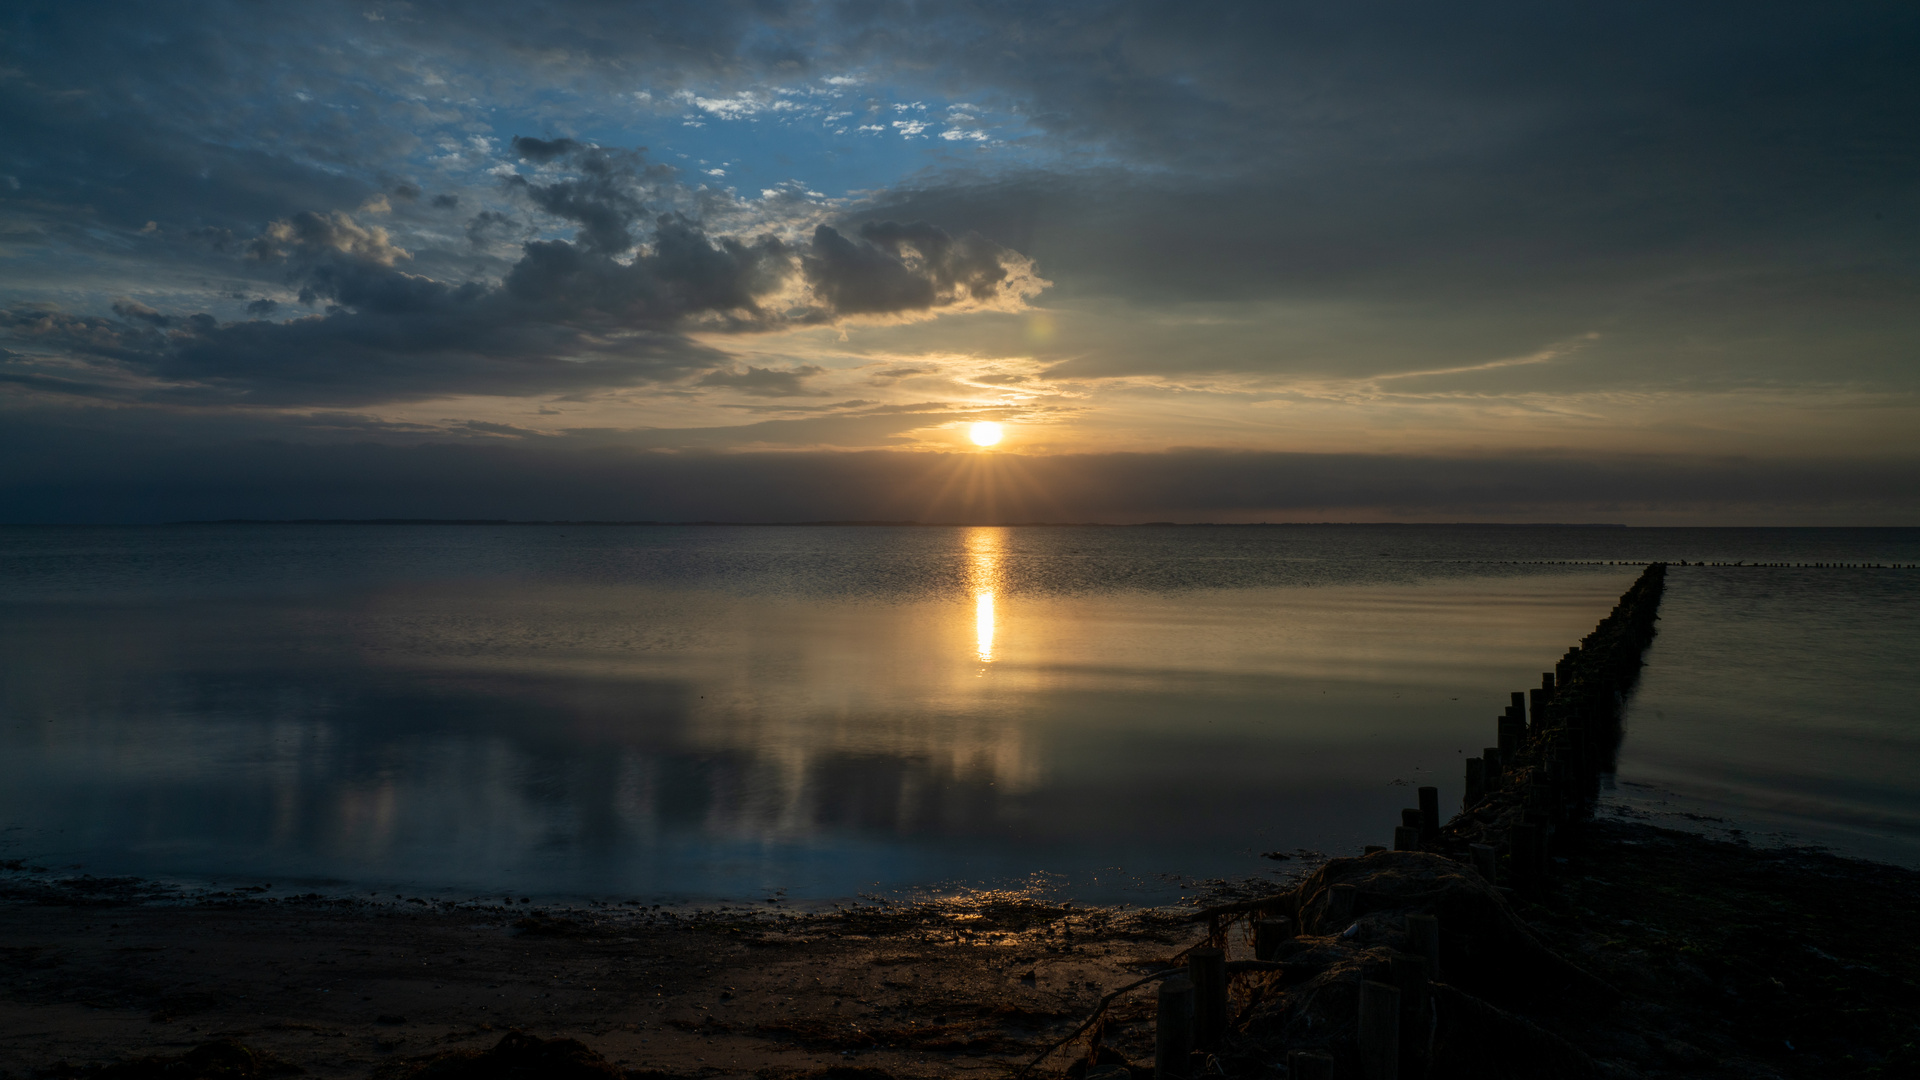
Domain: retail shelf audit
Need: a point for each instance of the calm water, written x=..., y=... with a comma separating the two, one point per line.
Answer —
x=682, y=713
x=1782, y=705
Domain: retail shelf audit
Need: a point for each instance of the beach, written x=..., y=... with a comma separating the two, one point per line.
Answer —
x=1736, y=961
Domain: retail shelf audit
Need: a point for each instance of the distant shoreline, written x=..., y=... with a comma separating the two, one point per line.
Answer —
x=903, y=523
x=919, y=524
x=865, y=523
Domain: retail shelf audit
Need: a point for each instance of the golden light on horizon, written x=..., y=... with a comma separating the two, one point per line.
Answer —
x=986, y=433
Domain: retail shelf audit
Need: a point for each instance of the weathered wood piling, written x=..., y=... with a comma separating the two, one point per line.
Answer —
x=1173, y=1029
x=1207, y=968
x=1526, y=797
x=1268, y=934
x=1364, y=967
x=1379, y=1031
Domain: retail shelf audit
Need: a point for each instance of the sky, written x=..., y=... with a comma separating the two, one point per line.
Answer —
x=767, y=260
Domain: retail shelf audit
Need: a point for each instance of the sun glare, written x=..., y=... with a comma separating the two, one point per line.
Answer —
x=986, y=433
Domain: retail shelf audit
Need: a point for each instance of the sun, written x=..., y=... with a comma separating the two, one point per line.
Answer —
x=986, y=433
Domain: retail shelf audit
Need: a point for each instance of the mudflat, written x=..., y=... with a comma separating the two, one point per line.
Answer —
x=1729, y=961
x=98, y=971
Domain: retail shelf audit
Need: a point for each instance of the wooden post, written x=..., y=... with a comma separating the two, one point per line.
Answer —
x=1208, y=970
x=1379, y=1031
x=1173, y=1029
x=1539, y=699
x=1307, y=1065
x=1268, y=934
x=1340, y=904
x=1539, y=799
x=1423, y=939
x=1410, y=817
x=1547, y=685
x=1495, y=772
x=1528, y=842
x=1410, y=975
x=1485, y=859
x=1429, y=813
x=1476, y=784
x=1520, y=705
x=1406, y=838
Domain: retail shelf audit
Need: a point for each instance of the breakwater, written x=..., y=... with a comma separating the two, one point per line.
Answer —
x=1527, y=796
x=1413, y=962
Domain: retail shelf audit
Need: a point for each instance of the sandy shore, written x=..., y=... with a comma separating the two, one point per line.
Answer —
x=96, y=971
x=1733, y=961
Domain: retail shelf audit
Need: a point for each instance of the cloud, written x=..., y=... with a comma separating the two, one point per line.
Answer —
x=766, y=382
x=310, y=235
x=612, y=306
x=542, y=151
x=1249, y=195
x=604, y=199
x=482, y=227
x=894, y=268
x=904, y=371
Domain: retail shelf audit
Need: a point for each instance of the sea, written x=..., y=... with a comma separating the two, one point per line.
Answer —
x=693, y=714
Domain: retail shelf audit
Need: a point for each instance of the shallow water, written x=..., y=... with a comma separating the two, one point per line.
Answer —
x=1783, y=706
x=697, y=713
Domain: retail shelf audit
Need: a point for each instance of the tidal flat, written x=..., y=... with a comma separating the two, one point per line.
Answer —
x=1731, y=961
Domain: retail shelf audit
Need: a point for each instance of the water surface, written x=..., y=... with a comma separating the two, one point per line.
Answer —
x=682, y=713
x=1782, y=705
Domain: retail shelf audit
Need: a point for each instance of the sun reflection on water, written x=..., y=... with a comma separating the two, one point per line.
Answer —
x=983, y=626
x=983, y=552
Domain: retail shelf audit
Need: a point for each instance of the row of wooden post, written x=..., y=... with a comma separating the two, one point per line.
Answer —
x=1486, y=773
x=1561, y=758
x=1396, y=1018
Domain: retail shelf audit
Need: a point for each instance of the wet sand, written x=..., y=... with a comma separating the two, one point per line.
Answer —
x=1732, y=961
x=93, y=974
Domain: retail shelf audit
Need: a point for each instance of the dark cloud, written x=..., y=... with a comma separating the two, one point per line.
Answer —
x=604, y=199
x=567, y=317
x=766, y=382
x=401, y=338
x=541, y=151
x=895, y=267
x=482, y=227
x=134, y=310
x=611, y=307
